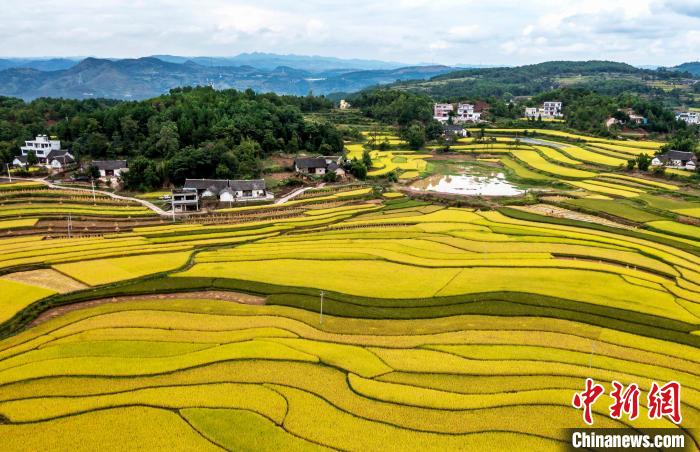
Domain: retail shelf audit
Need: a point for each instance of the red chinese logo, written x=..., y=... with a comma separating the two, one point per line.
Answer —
x=626, y=401
x=586, y=399
x=663, y=401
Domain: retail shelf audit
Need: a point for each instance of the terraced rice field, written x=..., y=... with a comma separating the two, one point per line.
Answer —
x=29, y=201
x=350, y=320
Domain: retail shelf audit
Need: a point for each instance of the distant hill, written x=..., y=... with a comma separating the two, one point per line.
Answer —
x=606, y=77
x=52, y=64
x=269, y=61
x=692, y=67
x=149, y=77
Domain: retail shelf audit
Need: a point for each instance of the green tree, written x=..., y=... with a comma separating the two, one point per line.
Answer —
x=414, y=135
x=168, y=139
x=358, y=169
x=366, y=159
x=643, y=162
x=31, y=158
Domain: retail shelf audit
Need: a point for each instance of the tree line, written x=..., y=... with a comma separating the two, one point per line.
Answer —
x=190, y=132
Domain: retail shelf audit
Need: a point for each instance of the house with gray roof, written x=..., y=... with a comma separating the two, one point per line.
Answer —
x=318, y=166
x=230, y=190
x=110, y=169
x=59, y=160
x=676, y=159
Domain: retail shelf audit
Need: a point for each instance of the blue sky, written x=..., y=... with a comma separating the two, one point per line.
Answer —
x=509, y=32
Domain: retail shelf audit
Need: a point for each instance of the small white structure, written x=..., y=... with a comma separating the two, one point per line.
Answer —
x=184, y=199
x=41, y=146
x=454, y=130
x=441, y=112
x=110, y=169
x=548, y=110
x=690, y=117
x=20, y=161
x=59, y=160
x=344, y=105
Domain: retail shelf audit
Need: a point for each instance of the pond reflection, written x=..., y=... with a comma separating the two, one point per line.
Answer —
x=472, y=181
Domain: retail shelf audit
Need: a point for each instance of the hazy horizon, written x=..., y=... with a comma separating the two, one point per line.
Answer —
x=503, y=32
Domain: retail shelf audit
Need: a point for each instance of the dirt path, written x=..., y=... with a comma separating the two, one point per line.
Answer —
x=295, y=193
x=235, y=297
x=559, y=212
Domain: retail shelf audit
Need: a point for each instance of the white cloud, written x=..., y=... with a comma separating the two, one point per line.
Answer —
x=446, y=31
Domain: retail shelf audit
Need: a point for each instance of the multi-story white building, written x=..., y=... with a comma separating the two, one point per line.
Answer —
x=441, y=112
x=690, y=117
x=548, y=110
x=41, y=146
x=466, y=113
x=552, y=109
x=344, y=105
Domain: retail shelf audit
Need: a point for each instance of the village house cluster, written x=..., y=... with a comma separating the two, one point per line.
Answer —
x=463, y=113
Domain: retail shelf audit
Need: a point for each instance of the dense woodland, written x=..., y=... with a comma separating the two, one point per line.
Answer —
x=191, y=132
x=603, y=77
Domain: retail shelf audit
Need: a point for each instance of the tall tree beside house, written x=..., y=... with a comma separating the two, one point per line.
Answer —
x=31, y=158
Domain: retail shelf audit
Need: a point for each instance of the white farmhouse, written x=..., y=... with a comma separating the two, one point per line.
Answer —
x=59, y=160
x=676, y=159
x=318, y=166
x=228, y=190
x=690, y=117
x=441, y=112
x=41, y=146
x=466, y=113
x=244, y=190
x=110, y=169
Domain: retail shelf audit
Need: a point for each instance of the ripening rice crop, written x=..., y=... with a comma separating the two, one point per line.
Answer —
x=104, y=271
x=15, y=296
x=445, y=381
x=553, y=154
x=18, y=224
x=595, y=158
x=675, y=228
x=598, y=188
x=536, y=161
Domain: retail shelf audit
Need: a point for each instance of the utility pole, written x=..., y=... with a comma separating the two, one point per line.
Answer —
x=94, y=201
x=70, y=226
x=321, y=313
x=9, y=176
x=172, y=205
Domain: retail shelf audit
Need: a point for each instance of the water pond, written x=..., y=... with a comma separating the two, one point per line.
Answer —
x=469, y=180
